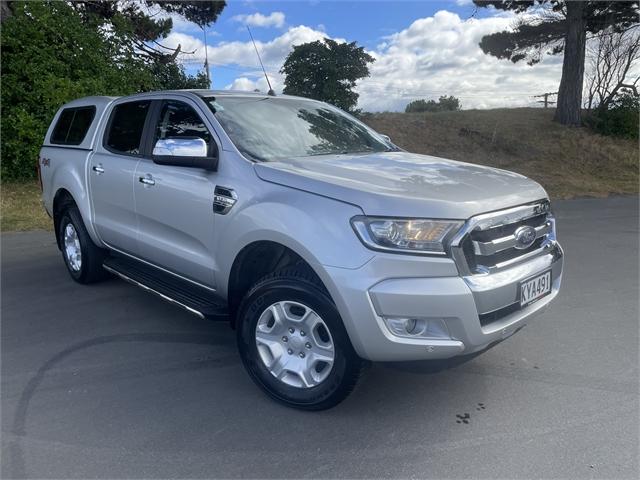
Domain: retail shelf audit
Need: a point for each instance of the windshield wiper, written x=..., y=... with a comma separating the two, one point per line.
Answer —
x=253, y=156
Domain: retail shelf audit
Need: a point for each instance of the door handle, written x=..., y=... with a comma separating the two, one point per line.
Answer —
x=98, y=169
x=148, y=180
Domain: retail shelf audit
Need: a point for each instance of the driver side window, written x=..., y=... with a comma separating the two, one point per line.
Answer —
x=179, y=120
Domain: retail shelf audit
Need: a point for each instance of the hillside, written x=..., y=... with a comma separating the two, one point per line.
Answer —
x=568, y=162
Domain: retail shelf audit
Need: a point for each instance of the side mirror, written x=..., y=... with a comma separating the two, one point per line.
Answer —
x=386, y=137
x=185, y=152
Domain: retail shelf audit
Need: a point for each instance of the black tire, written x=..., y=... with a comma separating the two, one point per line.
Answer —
x=297, y=285
x=92, y=256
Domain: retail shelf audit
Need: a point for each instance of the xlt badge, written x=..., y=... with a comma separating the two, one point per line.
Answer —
x=223, y=200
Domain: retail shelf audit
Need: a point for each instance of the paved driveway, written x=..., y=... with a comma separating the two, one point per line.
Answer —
x=109, y=381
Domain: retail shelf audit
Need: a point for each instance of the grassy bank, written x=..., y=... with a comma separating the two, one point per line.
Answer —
x=568, y=162
x=21, y=207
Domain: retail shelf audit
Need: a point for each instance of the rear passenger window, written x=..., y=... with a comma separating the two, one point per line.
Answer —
x=72, y=125
x=126, y=125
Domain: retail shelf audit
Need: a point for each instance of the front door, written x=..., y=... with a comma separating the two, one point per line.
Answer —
x=111, y=175
x=174, y=205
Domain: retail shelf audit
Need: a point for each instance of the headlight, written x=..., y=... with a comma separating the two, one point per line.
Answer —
x=418, y=236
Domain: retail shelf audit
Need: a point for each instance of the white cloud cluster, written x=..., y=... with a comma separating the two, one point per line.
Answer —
x=274, y=19
x=440, y=55
x=434, y=56
x=242, y=55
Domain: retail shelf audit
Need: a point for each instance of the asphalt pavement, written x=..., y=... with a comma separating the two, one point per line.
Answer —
x=108, y=381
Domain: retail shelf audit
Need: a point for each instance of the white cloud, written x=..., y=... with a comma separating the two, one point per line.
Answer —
x=188, y=43
x=274, y=19
x=243, y=54
x=433, y=56
x=179, y=22
x=440, y=55
x=259, y=83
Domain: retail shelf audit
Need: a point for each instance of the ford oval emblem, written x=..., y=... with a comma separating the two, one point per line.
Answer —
x=525, y=236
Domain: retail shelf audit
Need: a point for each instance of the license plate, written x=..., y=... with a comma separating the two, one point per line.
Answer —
x=535, y=288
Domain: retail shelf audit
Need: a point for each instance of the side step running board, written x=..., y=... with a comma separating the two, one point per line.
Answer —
x=191, y=297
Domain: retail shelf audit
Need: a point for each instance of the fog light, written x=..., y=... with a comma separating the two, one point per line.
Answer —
x=410, y=325
x=417, y=327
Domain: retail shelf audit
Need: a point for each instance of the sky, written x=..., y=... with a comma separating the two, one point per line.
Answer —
x=423, y=49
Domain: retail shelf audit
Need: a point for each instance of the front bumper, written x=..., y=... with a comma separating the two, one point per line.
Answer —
x=478, y=310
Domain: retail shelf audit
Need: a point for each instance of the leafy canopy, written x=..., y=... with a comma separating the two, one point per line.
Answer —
x=49, y=58
x=54, y=52
x=326, y=70
x=545, y=30
x=138, y=24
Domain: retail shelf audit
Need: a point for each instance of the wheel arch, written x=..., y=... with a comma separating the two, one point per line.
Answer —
x=259, y=258
x=62, y=199
x=70, y=185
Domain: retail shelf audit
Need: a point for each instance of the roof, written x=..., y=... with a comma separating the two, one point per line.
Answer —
x=105, y=100
x=95, y=100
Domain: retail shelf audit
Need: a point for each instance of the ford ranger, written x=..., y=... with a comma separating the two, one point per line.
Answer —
x=322, y=243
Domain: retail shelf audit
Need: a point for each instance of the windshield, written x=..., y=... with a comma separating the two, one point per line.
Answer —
x=270, y=128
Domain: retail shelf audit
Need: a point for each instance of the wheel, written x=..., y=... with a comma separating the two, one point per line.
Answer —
x=82, y=257
x=293, y=343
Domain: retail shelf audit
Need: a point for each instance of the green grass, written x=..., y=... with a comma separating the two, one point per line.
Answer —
x=21, y=207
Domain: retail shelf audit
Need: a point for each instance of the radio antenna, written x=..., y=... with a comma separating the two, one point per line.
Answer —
x=270, y=92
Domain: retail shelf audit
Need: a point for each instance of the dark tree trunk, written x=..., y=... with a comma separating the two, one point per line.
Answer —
x=570, y=92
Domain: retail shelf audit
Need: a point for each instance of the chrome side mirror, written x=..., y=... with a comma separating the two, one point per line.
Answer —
x=181, y=147
x=191, y=152
x=386, y=137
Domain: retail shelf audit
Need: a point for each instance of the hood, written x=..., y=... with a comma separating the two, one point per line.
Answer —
x=404, y=184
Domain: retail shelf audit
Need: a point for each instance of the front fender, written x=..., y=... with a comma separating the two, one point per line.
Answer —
x=315, y=227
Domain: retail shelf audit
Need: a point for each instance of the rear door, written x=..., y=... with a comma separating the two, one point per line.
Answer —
x=112, y=171
x=174, y=204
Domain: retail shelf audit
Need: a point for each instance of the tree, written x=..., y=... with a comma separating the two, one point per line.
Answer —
x=326, y=70
x=53, y=52
x=141, y=28
x=49, y=58
x=553, y=27
x=444, y=104
x=171, y=76
x=449, y=103
x=611, y=57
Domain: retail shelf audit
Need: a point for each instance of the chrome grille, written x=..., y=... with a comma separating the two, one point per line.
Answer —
x=489, y=242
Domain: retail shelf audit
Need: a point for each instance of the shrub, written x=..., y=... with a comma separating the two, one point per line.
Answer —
x=620, y=119
x=444, y=104
x=51, y=56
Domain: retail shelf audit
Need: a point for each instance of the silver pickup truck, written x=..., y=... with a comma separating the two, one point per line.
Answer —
x=321, y=242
